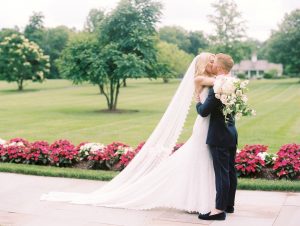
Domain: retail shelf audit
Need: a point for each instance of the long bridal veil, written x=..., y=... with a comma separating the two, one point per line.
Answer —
x=157, y=147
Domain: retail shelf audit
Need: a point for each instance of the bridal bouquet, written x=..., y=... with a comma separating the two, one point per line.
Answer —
x=231, y=92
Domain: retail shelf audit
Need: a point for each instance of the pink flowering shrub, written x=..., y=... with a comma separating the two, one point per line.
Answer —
x=139, y=147
x=112, y=154
x=127, y=155
x=176, y=147
x=248, y=161
x=287, y=164
x=62, y=153
x=14, y=151
x=251, y=161
x=38, y=153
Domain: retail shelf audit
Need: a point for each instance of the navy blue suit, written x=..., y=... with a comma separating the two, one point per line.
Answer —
x=222, y=140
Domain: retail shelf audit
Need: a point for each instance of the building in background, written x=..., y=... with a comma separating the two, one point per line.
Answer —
x=256, y=68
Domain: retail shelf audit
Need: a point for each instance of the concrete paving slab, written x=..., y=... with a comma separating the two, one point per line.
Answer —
x=20, y=206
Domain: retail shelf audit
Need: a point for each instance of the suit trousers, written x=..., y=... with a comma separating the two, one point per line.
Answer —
x=225, y=175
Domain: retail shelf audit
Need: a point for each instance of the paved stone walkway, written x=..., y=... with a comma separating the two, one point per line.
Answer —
x=20, y=206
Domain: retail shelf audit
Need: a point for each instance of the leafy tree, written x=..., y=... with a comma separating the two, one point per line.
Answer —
x=94, y=20
x=175, y=35
x=54, y=41
x=190, y=42
x=175, y=60
x=229, y=29
x=4, y=32
x=21, y=59
x=34, y=31
x=198, y=42
x=124, y=48
x=284, y=44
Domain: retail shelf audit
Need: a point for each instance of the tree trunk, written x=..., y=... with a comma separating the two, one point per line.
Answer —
x=101, y=88
x=20, y=84
x=116, y=95
x=166, y=80
x=124, y=82
x=111, y=104
x=106, y=97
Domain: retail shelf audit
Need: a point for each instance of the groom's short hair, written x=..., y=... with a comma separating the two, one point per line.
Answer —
x=225, y=61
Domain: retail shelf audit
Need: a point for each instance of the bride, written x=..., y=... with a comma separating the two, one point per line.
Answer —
x=155, y=178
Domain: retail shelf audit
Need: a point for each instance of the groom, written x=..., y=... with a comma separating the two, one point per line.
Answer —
x=222, y=142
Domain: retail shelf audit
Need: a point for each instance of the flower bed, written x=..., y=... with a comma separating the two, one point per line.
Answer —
x=252, y=161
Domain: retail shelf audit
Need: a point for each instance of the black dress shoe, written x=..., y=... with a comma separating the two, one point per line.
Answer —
x=220, y=216
x=229, y=209
x=204, y=214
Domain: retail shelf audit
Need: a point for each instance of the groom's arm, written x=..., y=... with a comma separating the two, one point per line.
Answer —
x=211, y=103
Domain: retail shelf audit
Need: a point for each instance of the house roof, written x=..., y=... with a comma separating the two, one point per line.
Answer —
x=259, y=65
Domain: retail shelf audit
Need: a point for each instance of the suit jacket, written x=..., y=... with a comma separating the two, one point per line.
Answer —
x=219, y=133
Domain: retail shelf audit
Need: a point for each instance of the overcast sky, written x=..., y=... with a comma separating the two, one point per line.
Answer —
x=261, y=15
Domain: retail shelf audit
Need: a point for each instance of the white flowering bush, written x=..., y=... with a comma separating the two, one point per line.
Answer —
x=2, y=142
x=231, y=92
x=88, y=149
x=269, y=158
x=21, y=59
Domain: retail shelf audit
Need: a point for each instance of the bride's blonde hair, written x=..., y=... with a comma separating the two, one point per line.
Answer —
x=203, y=59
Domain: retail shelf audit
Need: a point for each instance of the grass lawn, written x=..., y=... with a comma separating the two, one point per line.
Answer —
x=243, y=183
x=57, y=109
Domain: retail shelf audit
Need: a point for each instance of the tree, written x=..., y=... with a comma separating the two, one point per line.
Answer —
x=123, y=48
x=175, y=35
x=21, y=59
x=4, y=32
x=198, y=42
x=94, y=20
x=34, y=31
x=229, y=29
x=175, y=60
x=284, y=44
x=190, y=42
x=54, y=41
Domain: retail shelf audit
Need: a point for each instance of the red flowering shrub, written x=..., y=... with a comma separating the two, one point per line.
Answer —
x=139, y=147
x=14, y=151
x=176, y=147
x=248, y=162
x=112, y=154
x=95, y=155
x=82, y=155
x=287, y=164
x=63, y=153
x=38, y=153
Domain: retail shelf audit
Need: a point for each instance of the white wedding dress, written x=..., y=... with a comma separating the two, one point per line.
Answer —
x=184, y=180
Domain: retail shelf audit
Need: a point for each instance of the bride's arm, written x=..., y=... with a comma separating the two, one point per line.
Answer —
x=204, y=81
x=200, y=82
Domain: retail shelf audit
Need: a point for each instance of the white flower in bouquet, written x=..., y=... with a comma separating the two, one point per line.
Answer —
x=238, y=115
x=229, y=86
x=244, y=98
x=218, y=84
x=239, y=93
x=231, y=92
x=244, y=84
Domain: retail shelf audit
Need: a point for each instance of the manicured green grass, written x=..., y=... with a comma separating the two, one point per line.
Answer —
x=57, y=109
x=51, y=171
x=243, y=183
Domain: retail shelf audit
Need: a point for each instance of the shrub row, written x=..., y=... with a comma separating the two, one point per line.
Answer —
x=251, y=161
